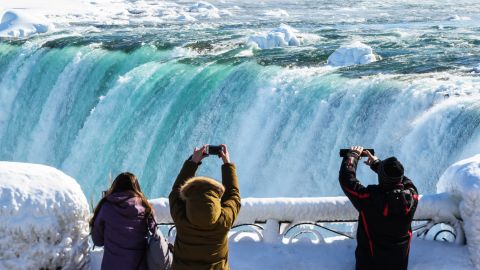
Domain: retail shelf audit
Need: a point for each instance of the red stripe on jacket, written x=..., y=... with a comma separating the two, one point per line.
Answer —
x=356, y=194
x=367, y=232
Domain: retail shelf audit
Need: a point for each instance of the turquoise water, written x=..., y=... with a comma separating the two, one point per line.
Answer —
x=139, y=98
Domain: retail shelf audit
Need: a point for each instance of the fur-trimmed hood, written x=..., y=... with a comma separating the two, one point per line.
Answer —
x=196, y=184
x=202, y=197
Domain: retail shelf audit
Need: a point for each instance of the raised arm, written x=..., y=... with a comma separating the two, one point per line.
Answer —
x=231, y=197
x=351, y=186
x=188, y=171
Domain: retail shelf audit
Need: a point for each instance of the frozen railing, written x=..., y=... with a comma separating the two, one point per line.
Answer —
x=317, y=219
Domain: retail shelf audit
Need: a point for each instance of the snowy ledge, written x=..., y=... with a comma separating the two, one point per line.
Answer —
x=279, y=215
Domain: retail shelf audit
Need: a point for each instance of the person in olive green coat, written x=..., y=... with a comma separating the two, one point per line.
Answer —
x=203, y=211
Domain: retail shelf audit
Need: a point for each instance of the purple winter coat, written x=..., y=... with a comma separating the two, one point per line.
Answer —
x=121, y=228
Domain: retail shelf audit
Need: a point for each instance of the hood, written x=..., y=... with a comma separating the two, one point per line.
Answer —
x=126, y=204
x=202, y=199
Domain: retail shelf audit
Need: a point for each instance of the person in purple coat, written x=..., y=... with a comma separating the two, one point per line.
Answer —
x=121, y=222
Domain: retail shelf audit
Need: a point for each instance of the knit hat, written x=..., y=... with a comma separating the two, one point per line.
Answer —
x=390, y=171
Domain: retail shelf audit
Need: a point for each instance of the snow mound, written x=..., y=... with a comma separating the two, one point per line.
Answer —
x=18, y=24
x=282, y=36
x=355, y=53
x=462, y=180
x=43, y=215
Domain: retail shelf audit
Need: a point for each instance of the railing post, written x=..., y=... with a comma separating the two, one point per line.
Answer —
x=271, y=233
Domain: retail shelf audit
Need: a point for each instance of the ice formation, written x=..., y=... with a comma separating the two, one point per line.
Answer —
x=355, y=53
x=462, y=180
x=43, y=214
x=282, y=36
x=21, y=25
x=477, y=69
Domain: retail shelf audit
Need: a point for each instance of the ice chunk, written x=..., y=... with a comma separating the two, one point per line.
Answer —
x=477, y=69
x=277, y=13
x=20, y=25
x=458, y=18
x=462, y=180
x=43, y=215
x=282, y=36
x=206, y=10
x=355, y=53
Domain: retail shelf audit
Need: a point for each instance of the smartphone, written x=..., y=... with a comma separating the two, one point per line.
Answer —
x=213, y=150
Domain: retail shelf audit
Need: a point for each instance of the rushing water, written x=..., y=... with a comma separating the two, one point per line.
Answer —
x=139, y=98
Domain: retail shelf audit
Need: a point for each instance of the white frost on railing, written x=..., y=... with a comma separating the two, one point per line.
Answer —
x=439, y=208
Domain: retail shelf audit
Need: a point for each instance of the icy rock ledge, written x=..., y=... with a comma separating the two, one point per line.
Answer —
x=355, y=53
x=462, y=180
x=18, y=24
x=43, y=219
x=282, y=36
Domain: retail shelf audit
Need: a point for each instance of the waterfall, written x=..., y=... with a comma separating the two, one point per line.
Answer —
x=93, y=112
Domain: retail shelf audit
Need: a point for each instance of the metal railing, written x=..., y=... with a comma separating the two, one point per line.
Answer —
x=320, y=231
x=289, y=220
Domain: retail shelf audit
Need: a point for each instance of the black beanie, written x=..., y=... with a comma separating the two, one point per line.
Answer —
x=390, y=171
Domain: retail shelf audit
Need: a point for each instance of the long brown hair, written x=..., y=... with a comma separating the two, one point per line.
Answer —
x=124, y=182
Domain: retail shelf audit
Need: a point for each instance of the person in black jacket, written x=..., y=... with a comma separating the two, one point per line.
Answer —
x=385, y=211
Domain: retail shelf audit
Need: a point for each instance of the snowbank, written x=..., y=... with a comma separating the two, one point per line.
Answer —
x=43, y=215
x=462, y=180
x=355, y=53
x=282, y=36
x=21, y=25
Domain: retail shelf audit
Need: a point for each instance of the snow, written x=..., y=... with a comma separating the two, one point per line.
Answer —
x=19, y=24
x=355, y=53
x=282, y=36
x=43, y=215
x=462, y=180
x=338, y=255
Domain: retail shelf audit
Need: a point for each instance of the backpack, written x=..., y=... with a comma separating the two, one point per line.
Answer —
x=158, y=254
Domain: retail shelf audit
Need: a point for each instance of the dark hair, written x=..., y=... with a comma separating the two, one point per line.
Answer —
x=124, y=182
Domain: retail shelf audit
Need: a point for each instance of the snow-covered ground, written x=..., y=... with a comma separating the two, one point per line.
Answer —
x=338, y=255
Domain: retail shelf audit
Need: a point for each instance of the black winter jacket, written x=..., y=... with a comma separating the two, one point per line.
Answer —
x=385, y=216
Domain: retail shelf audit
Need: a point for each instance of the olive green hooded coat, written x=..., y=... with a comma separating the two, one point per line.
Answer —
x=203, y=211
